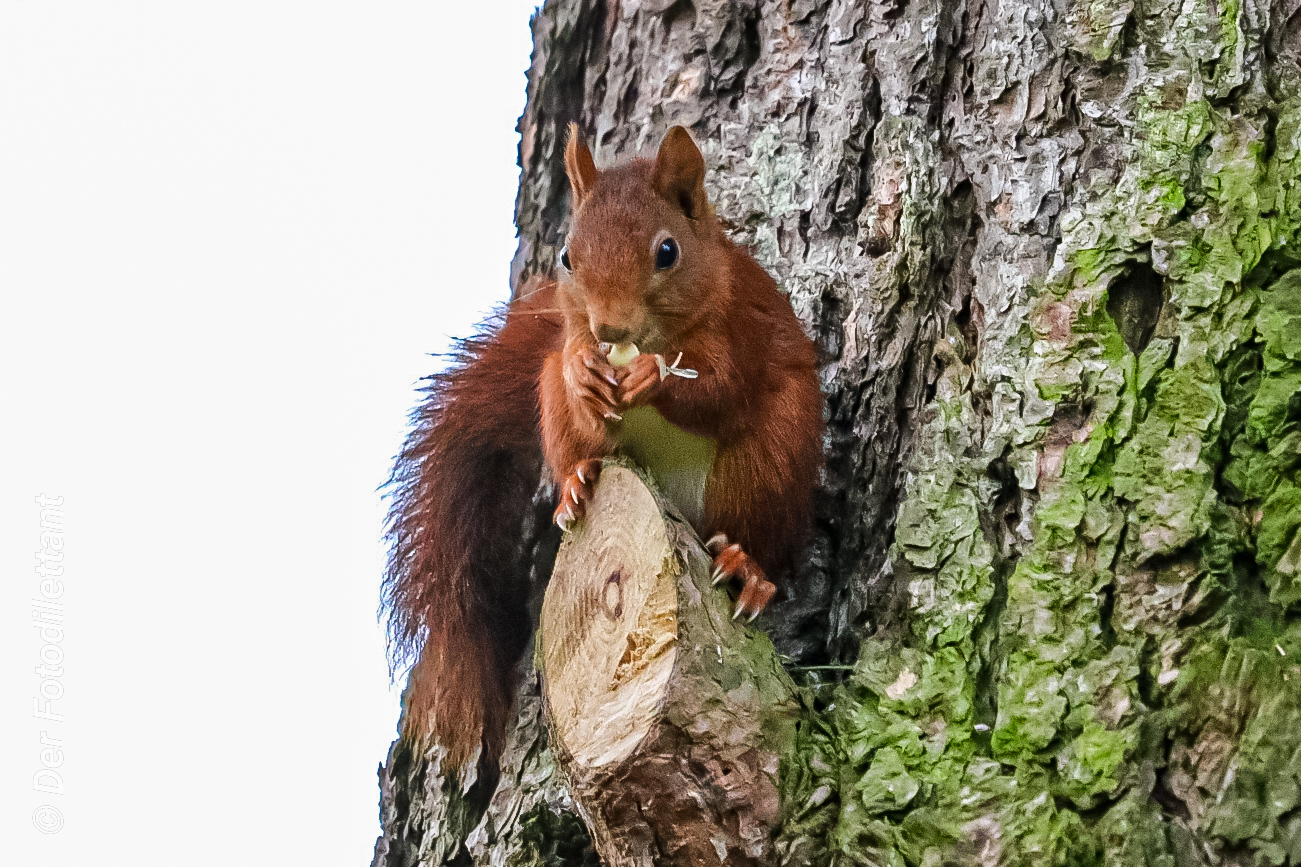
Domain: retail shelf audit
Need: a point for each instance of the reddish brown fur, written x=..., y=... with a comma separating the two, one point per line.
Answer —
x=455, y=592
x=757, y=394
x=464, y=479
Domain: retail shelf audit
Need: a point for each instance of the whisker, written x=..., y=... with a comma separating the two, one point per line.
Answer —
x=511, y=311
x=516, y=309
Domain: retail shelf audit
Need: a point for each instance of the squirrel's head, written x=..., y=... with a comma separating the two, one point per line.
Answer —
x=644, y=261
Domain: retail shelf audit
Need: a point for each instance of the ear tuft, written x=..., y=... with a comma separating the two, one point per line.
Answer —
x=579, y=166
x=680, y=173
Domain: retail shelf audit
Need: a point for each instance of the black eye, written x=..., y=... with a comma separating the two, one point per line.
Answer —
x=666, y=255
x=564, y=258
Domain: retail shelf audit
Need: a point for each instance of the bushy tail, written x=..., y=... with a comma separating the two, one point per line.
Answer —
x=456, y=584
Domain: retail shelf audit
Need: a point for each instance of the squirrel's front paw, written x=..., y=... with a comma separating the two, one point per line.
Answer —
x=576, y=492
x=639, y=379
x=730, y=561
x=593, y=384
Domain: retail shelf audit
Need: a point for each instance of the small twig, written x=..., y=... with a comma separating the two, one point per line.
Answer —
x=824, y=668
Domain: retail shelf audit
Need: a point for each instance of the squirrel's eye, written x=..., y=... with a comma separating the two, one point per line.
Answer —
x=666, y=255
x=564, y=258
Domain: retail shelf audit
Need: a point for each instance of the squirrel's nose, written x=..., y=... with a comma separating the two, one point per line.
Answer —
x=611, y=334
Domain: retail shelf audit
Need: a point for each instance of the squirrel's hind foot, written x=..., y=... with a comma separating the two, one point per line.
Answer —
x=576, y=492
x=731, y=561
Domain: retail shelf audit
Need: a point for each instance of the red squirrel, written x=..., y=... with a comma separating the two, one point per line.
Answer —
x=738, y=448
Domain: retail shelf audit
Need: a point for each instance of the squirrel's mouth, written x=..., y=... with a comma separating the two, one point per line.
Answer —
x=644, y=339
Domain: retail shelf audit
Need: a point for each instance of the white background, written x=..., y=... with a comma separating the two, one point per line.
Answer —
x=229, y=234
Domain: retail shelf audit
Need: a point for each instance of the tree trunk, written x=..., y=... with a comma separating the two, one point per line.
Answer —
x=1047, y=251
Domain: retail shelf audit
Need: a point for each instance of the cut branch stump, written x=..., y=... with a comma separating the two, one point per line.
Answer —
x=668, y=717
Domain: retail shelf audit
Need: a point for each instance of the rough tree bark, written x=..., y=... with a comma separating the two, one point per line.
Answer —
x=1047, y=249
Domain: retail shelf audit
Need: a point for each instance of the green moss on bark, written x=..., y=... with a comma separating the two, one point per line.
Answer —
x=1114, y=679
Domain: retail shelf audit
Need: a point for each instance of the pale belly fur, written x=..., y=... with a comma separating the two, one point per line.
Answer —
x=678, y=461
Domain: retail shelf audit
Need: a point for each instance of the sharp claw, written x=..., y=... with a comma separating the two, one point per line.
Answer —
x=740, y=609
x=573, y=495
x=614, y=416
x=611, y=378
x=718, y=576
x=579, y=472
x=751, y=618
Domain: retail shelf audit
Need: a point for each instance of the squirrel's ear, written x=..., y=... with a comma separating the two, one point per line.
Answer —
x=680, y=173
x=579, y=166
